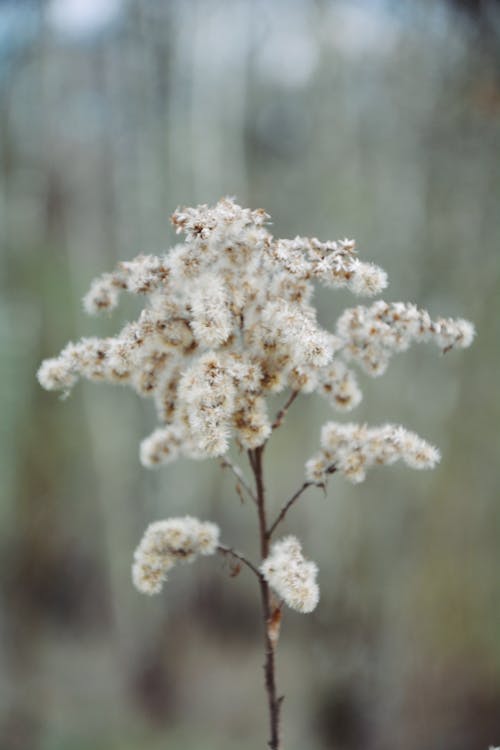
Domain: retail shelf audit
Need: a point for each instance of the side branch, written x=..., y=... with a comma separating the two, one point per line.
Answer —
x=251, y=461
x=282, y=412
x=293, y=499
x=287, y=507
x=238, y=556
x=226, y=464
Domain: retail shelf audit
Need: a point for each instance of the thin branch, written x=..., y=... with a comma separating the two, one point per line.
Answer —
x=287, y=507
x=293, y=499
x=274, y=701
x=255, y=457
x=238, y=556
x=282, y=412
x=251, y=460
x=226, y=464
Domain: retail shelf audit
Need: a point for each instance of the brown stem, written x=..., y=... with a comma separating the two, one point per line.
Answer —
x=287, y=507
x=330, y=470
x=282, y=412
x=256, y=461
x=274, y=701
x=227, y=464
x=238, y=556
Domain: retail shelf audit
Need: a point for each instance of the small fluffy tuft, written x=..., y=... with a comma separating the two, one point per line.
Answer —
x=167, y=542
x=291, y=576
x=351, y=449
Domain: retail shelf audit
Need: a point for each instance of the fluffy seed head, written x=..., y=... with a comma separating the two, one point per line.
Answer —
x=291, y=575
x=167, y=542
x=228, y=321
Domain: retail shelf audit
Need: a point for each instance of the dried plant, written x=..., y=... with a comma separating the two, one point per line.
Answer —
x=228, y=322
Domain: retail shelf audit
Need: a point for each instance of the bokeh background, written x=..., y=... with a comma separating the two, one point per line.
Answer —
x=376, y=119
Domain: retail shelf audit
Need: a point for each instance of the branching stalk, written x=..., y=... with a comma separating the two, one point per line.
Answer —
x=227, y=464
x=280, y=416
x=241, y=558
x=281, y=515
x=274, y=701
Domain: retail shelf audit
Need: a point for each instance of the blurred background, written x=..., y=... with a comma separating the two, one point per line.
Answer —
x=378, y=120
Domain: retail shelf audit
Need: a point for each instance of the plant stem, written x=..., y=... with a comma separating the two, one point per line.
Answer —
x=227, y=464
x=283, y=411
x=274, y=702
x=287, y=507
x=241, y=558
x=284, y=510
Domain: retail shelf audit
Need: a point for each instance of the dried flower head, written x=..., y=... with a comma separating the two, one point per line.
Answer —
x=228, y=321
x=291, y=576
x=167, y=542
x=351, y=449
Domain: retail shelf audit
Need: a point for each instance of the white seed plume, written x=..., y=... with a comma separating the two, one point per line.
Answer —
x=371, y=335
x=291, y=576
x=228, y=321
x=351, y=449
x=167, y=542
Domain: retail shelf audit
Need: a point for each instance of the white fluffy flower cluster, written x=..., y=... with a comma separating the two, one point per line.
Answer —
x=229, y=321
x=351, y=449
x=291, y=576
x=167, y=542
x=371, y=335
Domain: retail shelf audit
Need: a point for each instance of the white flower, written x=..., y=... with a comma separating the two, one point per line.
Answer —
x=56, y=374
x=161, y=447
x=367, y=279
x=211, y=318
x=339, y=386
x=167, y=542
x=351, y=449
x=228, y=321
x=291, y=575
x=371, y=335
x=102, y=295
